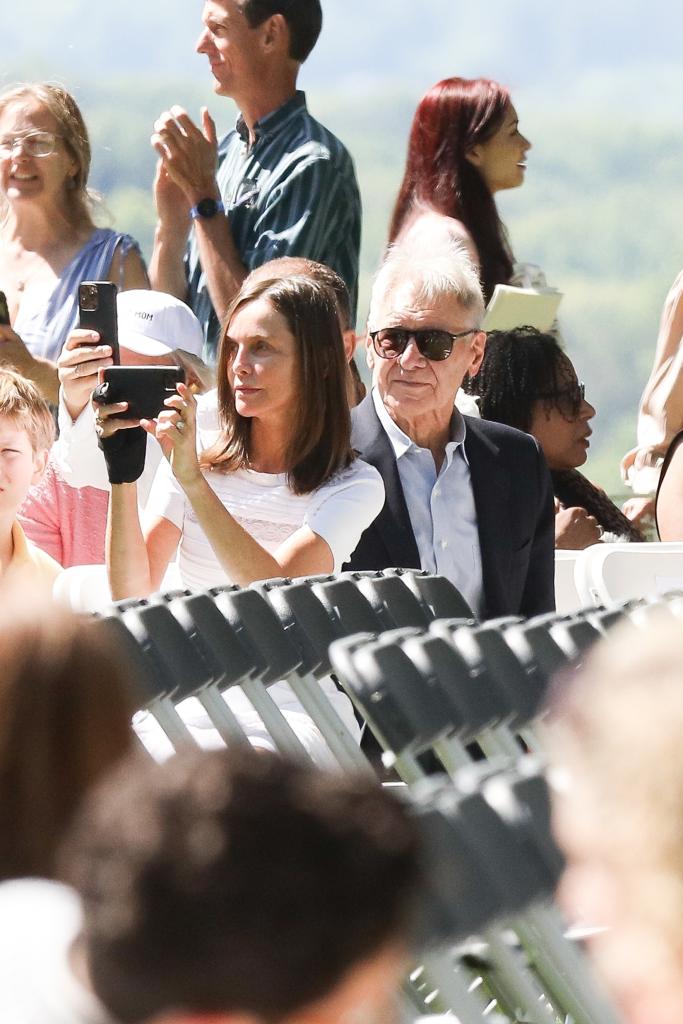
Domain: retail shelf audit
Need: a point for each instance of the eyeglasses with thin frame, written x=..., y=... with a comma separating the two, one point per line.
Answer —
x=34, y=143
x=431, y=342
x=568, y=401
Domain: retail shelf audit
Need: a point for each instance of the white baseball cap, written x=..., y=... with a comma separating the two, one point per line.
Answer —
x=154, y=323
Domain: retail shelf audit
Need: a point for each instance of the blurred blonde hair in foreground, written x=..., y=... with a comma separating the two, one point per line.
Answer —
x=66, y=704
x=619, y=816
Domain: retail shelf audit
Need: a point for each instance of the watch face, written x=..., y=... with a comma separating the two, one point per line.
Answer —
x=207, y=207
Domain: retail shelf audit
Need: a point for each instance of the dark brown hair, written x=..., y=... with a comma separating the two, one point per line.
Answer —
x=320, y=443
x=304, y=20
x=300, y=266
x=233, y=881
x=65, y=718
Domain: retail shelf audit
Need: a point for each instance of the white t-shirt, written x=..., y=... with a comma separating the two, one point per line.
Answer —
x=40, y=921
x=264, y=505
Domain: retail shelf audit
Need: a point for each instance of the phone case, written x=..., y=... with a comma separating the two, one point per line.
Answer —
x=97, y=312
x=144, y=388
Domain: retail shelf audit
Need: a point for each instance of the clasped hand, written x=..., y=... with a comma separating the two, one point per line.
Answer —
x=189, y=155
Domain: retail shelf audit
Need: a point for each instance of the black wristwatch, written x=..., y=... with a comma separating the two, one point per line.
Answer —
x=207, y=208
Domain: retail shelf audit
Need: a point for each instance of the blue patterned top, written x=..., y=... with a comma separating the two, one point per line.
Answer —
x=293, y=193
x=45, y=327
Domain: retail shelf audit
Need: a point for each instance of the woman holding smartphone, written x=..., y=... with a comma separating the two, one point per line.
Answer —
x=465, y=146
x=281, y=492
x=48, y=239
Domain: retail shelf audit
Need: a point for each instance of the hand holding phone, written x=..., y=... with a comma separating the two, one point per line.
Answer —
x=144, y=388
x=97, y=312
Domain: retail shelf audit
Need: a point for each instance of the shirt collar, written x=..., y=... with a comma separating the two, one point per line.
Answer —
x=402, y=444
x=276, y=120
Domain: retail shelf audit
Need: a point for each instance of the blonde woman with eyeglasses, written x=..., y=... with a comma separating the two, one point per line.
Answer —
x=49, y=242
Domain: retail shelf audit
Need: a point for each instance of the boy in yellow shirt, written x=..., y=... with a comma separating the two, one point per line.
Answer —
x=26, y=434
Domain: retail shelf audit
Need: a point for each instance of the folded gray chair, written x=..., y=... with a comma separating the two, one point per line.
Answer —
x=437, y=595
x=520, y=691
x=172, y=661
x=289, y=654
x=469, y=894
x=405, y=713
x=500, y=820
x=229, y=661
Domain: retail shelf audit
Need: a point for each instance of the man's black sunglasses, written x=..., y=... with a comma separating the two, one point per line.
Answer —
x=432, y=343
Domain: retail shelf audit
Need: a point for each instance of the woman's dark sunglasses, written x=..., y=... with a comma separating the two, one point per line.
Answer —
x=568, y=401
x=432, y=343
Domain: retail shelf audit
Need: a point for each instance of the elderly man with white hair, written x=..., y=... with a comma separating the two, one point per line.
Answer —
x=466, y=498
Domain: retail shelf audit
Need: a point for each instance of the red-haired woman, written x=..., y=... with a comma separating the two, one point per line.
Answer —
x=465, y=145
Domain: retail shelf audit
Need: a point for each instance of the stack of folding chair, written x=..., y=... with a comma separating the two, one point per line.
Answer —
x=427, y=678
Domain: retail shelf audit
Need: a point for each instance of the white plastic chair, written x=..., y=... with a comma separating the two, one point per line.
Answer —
x=605, y=573
x=85, y=588
x=567, y=599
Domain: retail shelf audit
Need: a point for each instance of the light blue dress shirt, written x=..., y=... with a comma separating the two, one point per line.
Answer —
x=441, y=506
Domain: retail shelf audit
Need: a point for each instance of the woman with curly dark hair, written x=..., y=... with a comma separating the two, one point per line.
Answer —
x=528, y=382
x=465, y=145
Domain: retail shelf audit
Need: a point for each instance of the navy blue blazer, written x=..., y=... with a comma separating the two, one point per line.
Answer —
x=515, y=513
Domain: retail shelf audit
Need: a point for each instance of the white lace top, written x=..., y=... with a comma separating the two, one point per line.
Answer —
x=264, y=505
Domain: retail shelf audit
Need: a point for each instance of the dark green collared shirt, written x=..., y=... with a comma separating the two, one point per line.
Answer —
x=293, y=193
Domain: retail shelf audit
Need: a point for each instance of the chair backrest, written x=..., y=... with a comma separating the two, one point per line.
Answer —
x=567, y=598
x=605, y=573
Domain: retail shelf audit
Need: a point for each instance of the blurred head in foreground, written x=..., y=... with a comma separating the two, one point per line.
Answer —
x=235, y=885
x=65, y=713
x=619, y=817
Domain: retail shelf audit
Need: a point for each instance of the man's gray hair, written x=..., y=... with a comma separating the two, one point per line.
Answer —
x=431, y=265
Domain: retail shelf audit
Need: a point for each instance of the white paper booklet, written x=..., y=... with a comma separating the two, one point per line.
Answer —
x=512, y=307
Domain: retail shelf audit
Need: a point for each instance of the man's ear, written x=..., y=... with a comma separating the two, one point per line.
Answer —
x=369, y=352
x=39, y=464
x=350, y=339
x=477, y=349
x=275, y=34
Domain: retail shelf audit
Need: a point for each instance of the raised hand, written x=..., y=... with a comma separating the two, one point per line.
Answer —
x=189, y=154
x=176, y=431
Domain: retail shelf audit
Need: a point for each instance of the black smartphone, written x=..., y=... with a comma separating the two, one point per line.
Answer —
x=144, y=388
x=97, y=312
x=4, y=310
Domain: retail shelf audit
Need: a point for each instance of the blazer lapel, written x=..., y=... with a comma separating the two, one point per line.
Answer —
x=393, y=523
x=491, y=485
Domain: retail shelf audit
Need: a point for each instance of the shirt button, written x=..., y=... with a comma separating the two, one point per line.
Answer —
x=437, y=492
x=444, y=544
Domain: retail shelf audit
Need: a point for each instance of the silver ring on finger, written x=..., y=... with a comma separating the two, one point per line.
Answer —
x=180, y=425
